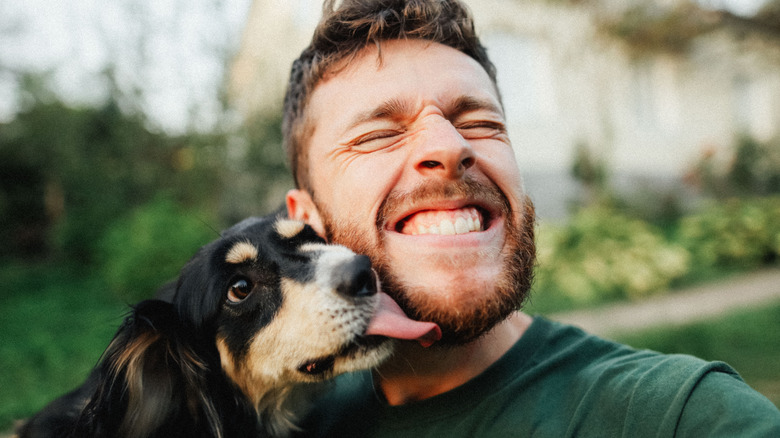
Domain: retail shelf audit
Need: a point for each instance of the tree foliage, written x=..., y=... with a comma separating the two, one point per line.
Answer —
x=67, y=172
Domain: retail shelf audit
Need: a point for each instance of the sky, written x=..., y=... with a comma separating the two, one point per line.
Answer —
x=743, y=7
x=170, y=52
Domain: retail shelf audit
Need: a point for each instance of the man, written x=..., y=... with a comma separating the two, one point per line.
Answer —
x=395, y=133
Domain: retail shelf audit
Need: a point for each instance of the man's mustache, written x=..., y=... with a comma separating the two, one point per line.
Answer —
x=432, y=191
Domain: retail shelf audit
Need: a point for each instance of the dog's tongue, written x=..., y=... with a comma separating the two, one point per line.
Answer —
x=389, y=320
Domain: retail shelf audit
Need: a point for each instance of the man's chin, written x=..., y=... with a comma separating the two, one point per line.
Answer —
x=463, y=309
x=466, y=294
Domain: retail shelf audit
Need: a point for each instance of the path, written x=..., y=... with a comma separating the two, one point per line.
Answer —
x=695, y=304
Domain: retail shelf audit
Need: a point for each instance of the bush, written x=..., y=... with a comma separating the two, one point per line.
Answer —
x=144, y=250
x=601, y=254
x=67, y=173
x=742, y=233
x=751, y=169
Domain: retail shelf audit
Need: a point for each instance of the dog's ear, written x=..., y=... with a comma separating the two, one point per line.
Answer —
x=167, y=291
x=198, y=296
x=149, y=379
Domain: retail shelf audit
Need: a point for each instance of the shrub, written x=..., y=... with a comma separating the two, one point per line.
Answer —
x=147, y=248
x=601, y=254
x=751, y=169
x=742, y=233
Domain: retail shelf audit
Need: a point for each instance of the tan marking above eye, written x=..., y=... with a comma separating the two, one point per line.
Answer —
x=288, y=228
x=241, y=252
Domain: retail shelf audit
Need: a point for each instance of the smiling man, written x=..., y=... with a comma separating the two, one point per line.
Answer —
x=396, y=136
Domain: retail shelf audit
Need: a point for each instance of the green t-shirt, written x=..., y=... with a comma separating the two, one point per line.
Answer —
x=558, y=381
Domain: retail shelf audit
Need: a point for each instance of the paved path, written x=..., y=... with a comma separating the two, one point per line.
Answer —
x=699, y=303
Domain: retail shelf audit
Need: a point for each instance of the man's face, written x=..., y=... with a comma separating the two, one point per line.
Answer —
x=410, y=164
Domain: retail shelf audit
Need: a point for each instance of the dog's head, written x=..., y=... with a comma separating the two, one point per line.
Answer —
x=285, y=307
x=267, y=306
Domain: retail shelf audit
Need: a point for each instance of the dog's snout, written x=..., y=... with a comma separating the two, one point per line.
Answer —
x=355, y=278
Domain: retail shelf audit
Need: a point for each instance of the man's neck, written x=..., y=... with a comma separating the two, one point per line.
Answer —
x=415, y=373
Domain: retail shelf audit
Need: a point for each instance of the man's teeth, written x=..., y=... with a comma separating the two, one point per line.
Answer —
x=448, y=226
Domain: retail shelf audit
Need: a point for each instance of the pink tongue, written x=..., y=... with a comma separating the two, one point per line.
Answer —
x=389, y=320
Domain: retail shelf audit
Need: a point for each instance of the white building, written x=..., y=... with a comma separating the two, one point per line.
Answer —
x=647, y=86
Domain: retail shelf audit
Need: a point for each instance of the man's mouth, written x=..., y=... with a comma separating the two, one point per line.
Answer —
x=442, y=222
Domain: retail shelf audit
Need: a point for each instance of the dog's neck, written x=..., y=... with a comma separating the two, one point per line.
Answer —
x=279, y=409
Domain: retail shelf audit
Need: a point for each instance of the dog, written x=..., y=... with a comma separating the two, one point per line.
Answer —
x=254, y=322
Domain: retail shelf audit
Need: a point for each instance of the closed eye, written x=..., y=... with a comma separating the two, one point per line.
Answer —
x=481, y=129
x=375, y=139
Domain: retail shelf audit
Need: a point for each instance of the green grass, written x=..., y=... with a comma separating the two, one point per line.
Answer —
x=55, y=324
x=748, y=340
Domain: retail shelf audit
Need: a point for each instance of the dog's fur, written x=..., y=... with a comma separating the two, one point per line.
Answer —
x=255, y=319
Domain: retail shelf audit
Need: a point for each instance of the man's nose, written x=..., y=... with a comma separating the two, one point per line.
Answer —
x=443, y=151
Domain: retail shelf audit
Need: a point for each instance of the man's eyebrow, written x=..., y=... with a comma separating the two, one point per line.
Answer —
x=390, y=109
x=465, y=104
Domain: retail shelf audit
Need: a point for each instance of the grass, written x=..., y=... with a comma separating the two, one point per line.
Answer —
x=55, y=323
x=748, y=340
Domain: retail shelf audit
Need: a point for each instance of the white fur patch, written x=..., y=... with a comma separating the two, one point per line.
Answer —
x=241, y=252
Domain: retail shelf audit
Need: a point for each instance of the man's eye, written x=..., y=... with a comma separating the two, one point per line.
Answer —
x=375, y=137
x=481, y=129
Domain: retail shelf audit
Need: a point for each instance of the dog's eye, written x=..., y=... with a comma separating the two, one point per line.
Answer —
x=239, y=290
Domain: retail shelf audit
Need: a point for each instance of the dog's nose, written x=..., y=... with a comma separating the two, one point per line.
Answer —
x=355, y=278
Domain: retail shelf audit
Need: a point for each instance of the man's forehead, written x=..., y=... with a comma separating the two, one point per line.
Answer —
x=376, y=58
x=372, y=87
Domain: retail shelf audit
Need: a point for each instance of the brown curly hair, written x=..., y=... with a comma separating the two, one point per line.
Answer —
x=344, y=31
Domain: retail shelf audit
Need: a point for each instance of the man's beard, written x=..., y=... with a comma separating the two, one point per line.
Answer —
x=465, y=323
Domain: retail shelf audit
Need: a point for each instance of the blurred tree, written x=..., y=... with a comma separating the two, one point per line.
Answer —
x=770, y=13
x=257, y=164
x=590, y=171
x=649, y=27
x=149, y=245
x=751, y=169
x=68, y=172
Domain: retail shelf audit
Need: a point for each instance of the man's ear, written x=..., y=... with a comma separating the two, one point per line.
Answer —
x=300, y=206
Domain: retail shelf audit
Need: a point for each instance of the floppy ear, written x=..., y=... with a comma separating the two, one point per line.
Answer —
x=197, y=297
x=148, y=381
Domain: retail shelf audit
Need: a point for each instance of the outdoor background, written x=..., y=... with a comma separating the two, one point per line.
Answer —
x=126, y=143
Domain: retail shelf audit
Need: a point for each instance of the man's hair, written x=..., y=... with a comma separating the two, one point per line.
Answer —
x=344, y=31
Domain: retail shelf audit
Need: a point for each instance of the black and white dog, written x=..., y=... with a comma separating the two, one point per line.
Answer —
x=257, y=317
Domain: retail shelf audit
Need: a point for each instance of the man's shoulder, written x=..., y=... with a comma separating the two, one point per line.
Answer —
x=646, y=390
x=590, y=387
x=599, y=366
